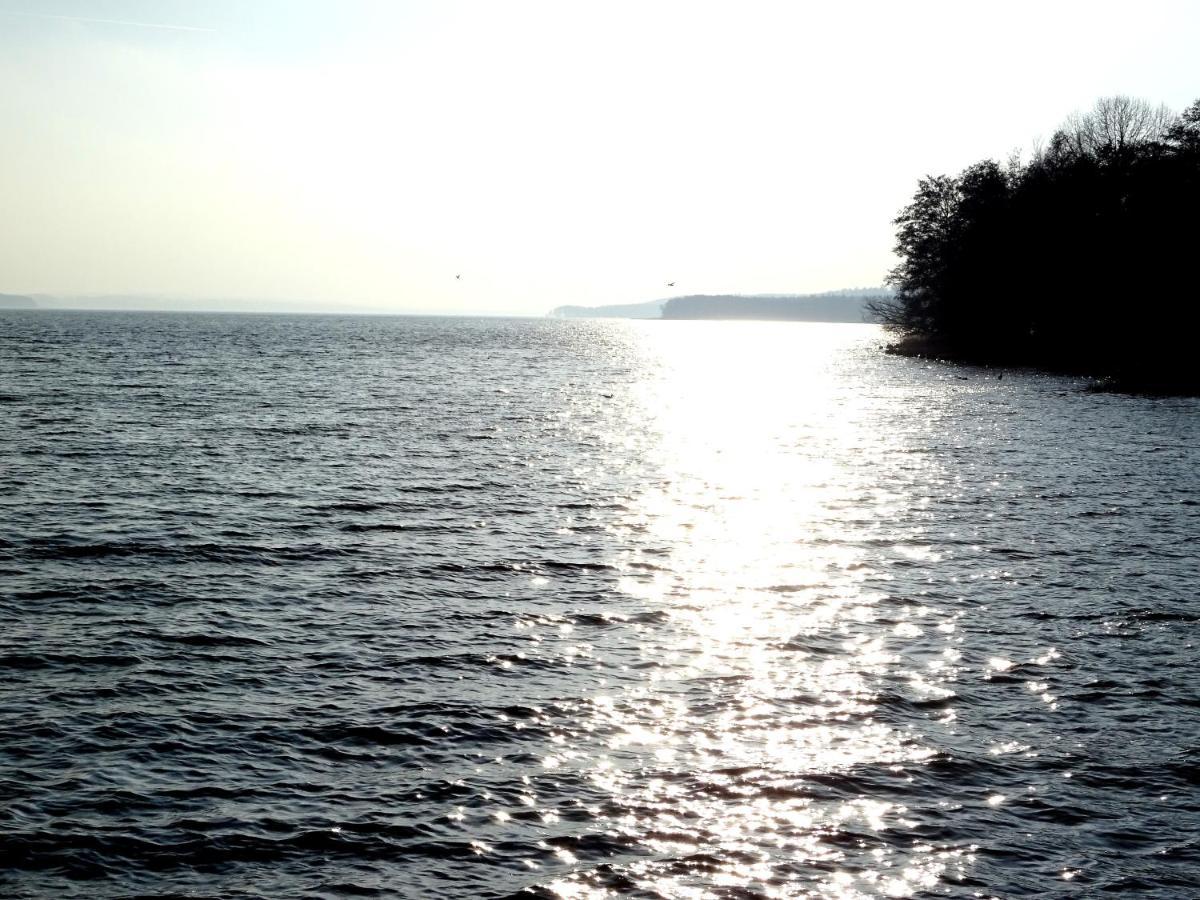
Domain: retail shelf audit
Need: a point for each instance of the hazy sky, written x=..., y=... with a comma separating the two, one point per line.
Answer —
x=365, y=153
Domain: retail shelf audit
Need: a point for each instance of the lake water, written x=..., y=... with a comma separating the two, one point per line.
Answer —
x=468, y=608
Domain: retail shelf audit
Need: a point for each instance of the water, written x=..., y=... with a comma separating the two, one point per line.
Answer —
x=333, y=607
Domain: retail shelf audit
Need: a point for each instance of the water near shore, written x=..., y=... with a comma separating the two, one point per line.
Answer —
x=331, y=607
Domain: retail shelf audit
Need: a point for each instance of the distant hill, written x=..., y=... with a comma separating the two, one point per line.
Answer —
x=839, y=306
x=17, y=301
x=652, y=309
x=847, y=305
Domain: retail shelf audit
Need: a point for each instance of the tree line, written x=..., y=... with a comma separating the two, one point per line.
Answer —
x=1084, y=259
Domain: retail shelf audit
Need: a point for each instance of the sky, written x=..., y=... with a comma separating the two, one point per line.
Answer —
x=509, y=157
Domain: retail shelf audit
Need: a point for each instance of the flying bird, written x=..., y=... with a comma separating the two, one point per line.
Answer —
x=457, y=277
x=670, y=284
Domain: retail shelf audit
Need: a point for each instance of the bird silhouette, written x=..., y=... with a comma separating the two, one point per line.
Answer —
x=456, y=277
x=670, y=284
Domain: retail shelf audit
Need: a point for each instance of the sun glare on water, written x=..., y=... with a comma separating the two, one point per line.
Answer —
x=765, y=679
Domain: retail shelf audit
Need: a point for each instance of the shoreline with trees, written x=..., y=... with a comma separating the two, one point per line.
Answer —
x=1083, y=260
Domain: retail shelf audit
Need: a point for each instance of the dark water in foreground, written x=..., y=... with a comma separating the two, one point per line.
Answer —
x=342, y=607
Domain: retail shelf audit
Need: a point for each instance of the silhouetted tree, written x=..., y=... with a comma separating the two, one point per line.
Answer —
x=1183, y=135
x=1117, y=124
x=1080, y=260
x=924, y=239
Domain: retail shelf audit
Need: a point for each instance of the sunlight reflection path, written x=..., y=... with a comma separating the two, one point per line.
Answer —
x=737, y=759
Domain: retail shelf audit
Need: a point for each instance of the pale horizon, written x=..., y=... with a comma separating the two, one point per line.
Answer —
x=362, y=156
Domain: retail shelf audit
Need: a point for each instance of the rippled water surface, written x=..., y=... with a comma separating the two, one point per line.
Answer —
x=334, y=607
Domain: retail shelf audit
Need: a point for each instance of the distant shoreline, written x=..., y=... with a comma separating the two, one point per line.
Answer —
x=849, y=305
x=227, y=311
x=18, y=301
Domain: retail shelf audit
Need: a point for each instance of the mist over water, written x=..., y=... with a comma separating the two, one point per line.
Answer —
x=397, y=607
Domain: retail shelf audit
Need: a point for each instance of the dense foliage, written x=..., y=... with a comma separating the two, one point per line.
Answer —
x=1084, y=259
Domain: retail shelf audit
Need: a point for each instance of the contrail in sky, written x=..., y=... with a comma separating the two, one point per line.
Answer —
x=106, y=21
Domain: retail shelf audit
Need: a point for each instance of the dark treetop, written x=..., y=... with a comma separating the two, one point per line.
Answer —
x=1082, y=260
